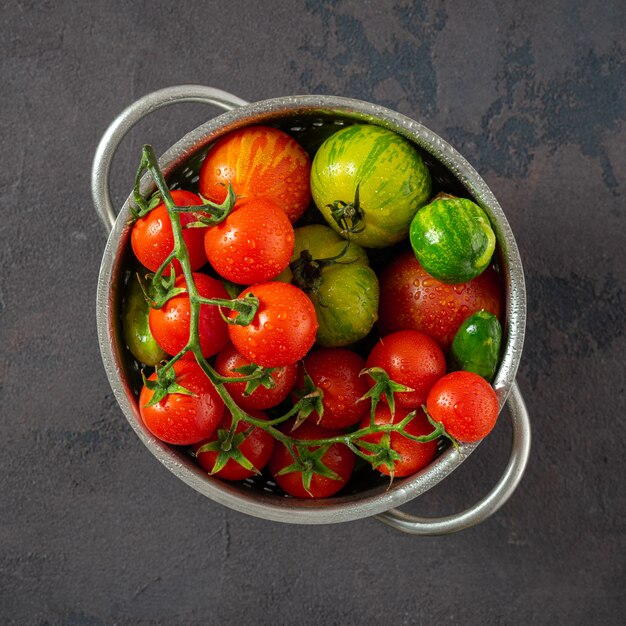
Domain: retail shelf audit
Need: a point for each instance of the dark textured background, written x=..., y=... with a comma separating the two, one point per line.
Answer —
x=93, y=530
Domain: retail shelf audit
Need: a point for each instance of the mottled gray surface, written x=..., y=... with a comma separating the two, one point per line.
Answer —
x=94, y=531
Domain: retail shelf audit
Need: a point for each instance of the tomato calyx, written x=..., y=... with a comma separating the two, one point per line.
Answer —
x=348, y=215
x=217, y=214
x=245, y=307
x=386, y=452
x=383, y=385
x=309, y=463
x=307, y=271
x=161, y=288
x=381, y=454
x=310, y=400
x=142, y=206
x=164, y=384
x=227, y=447
x=259, y=375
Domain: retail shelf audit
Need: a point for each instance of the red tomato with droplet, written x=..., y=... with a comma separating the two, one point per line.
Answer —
x=415, y=455
x=410, y=358
x=259, y=162
x=257, y=447
x=183, y=419
x=283, y=329
x=466, y=404
x=338, y=458
x=169, y=325
x=152, y=238
x=336, y=372
x=262, y=397
x=253, y=244
x=411, y=299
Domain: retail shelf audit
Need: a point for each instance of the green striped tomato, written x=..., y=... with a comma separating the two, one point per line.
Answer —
x=344, y=292
x=375, y=172
x=452, y=239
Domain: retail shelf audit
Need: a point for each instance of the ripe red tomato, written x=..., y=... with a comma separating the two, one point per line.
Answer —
x=336, y=372
x=183, y=419
x=253, y=244
x=256, y=447
x=410, y=299
x=410, y=358
x=152, y=238
x=414, y=455
x=283, y=329
x=465, y=403
x=261, y=398
x=169, y=325
x=259, y=162
x=338, y=458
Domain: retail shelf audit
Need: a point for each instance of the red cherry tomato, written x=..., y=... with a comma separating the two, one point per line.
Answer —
x=252, y=245
x=152, y=238
x=183, y=419
x=336, y=372
x=338, y=458
x=262, y=397
x=415, y=455
x=410, y=358
x=170, y=324
x=410, y=299
x=283, y=329
x=465, y=404
x=259, y=162
x=257, y=447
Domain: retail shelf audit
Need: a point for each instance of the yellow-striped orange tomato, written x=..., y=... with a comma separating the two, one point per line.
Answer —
x=259, y=162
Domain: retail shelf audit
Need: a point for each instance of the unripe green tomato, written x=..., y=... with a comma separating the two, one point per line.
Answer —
x=135, y=327
x=476, y=345
x=343, y=288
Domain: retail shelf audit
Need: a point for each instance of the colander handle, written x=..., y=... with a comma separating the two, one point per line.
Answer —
x=492, y=501
x=128, y=118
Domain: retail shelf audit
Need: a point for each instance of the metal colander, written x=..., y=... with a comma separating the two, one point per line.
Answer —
x=308, y=118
